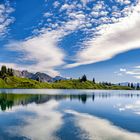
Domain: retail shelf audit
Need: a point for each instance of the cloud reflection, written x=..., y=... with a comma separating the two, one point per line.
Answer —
x=41, y=126
x=94, y=128
x=134, y=107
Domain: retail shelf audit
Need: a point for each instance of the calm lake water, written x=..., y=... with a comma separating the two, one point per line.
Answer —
x=27, y=114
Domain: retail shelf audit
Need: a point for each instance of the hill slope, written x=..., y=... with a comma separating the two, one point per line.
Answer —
x=17, y=82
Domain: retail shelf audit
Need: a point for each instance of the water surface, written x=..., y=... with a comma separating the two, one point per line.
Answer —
x=69, y=115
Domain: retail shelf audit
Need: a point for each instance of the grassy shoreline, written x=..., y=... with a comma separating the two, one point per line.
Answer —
x=21, y=83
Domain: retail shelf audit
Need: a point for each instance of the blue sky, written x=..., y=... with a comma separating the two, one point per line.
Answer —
x=72, y=37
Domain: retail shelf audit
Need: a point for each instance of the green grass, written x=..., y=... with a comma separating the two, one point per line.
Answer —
x=16, y=82
x=76, y=84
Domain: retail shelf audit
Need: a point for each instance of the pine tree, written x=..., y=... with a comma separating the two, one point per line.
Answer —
x=132, y=86
x=84, y=78
x=109, y=84
x=138, y=86
x=10, y=72
x=93, y=80
x=3, y=70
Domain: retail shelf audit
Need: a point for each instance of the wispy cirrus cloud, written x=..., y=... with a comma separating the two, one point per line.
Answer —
x=100, y=23
x=42, y=49
x=111, y=39
x=5, y=19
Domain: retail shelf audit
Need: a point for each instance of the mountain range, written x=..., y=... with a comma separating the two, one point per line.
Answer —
x=42, y=77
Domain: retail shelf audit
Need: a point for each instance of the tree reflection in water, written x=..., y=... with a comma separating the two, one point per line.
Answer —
x=9, y=100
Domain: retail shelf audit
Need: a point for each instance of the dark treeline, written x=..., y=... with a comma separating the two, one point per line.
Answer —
x=84, y=79
x=7, y=101
x=131, y=85
x=5, y=72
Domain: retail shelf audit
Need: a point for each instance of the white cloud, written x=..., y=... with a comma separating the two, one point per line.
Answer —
x=84, y=2
x=47, y=14
x=5, y=20
x=124, y=1
x=99, y=6
x=42, y=50
x=137, y=76
x=99, y=129
x=56, y=4
x=134, y=72
x=45, y=122
x=68, y=7
x=122, y=70
x=12, y=65
x=112, y=39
